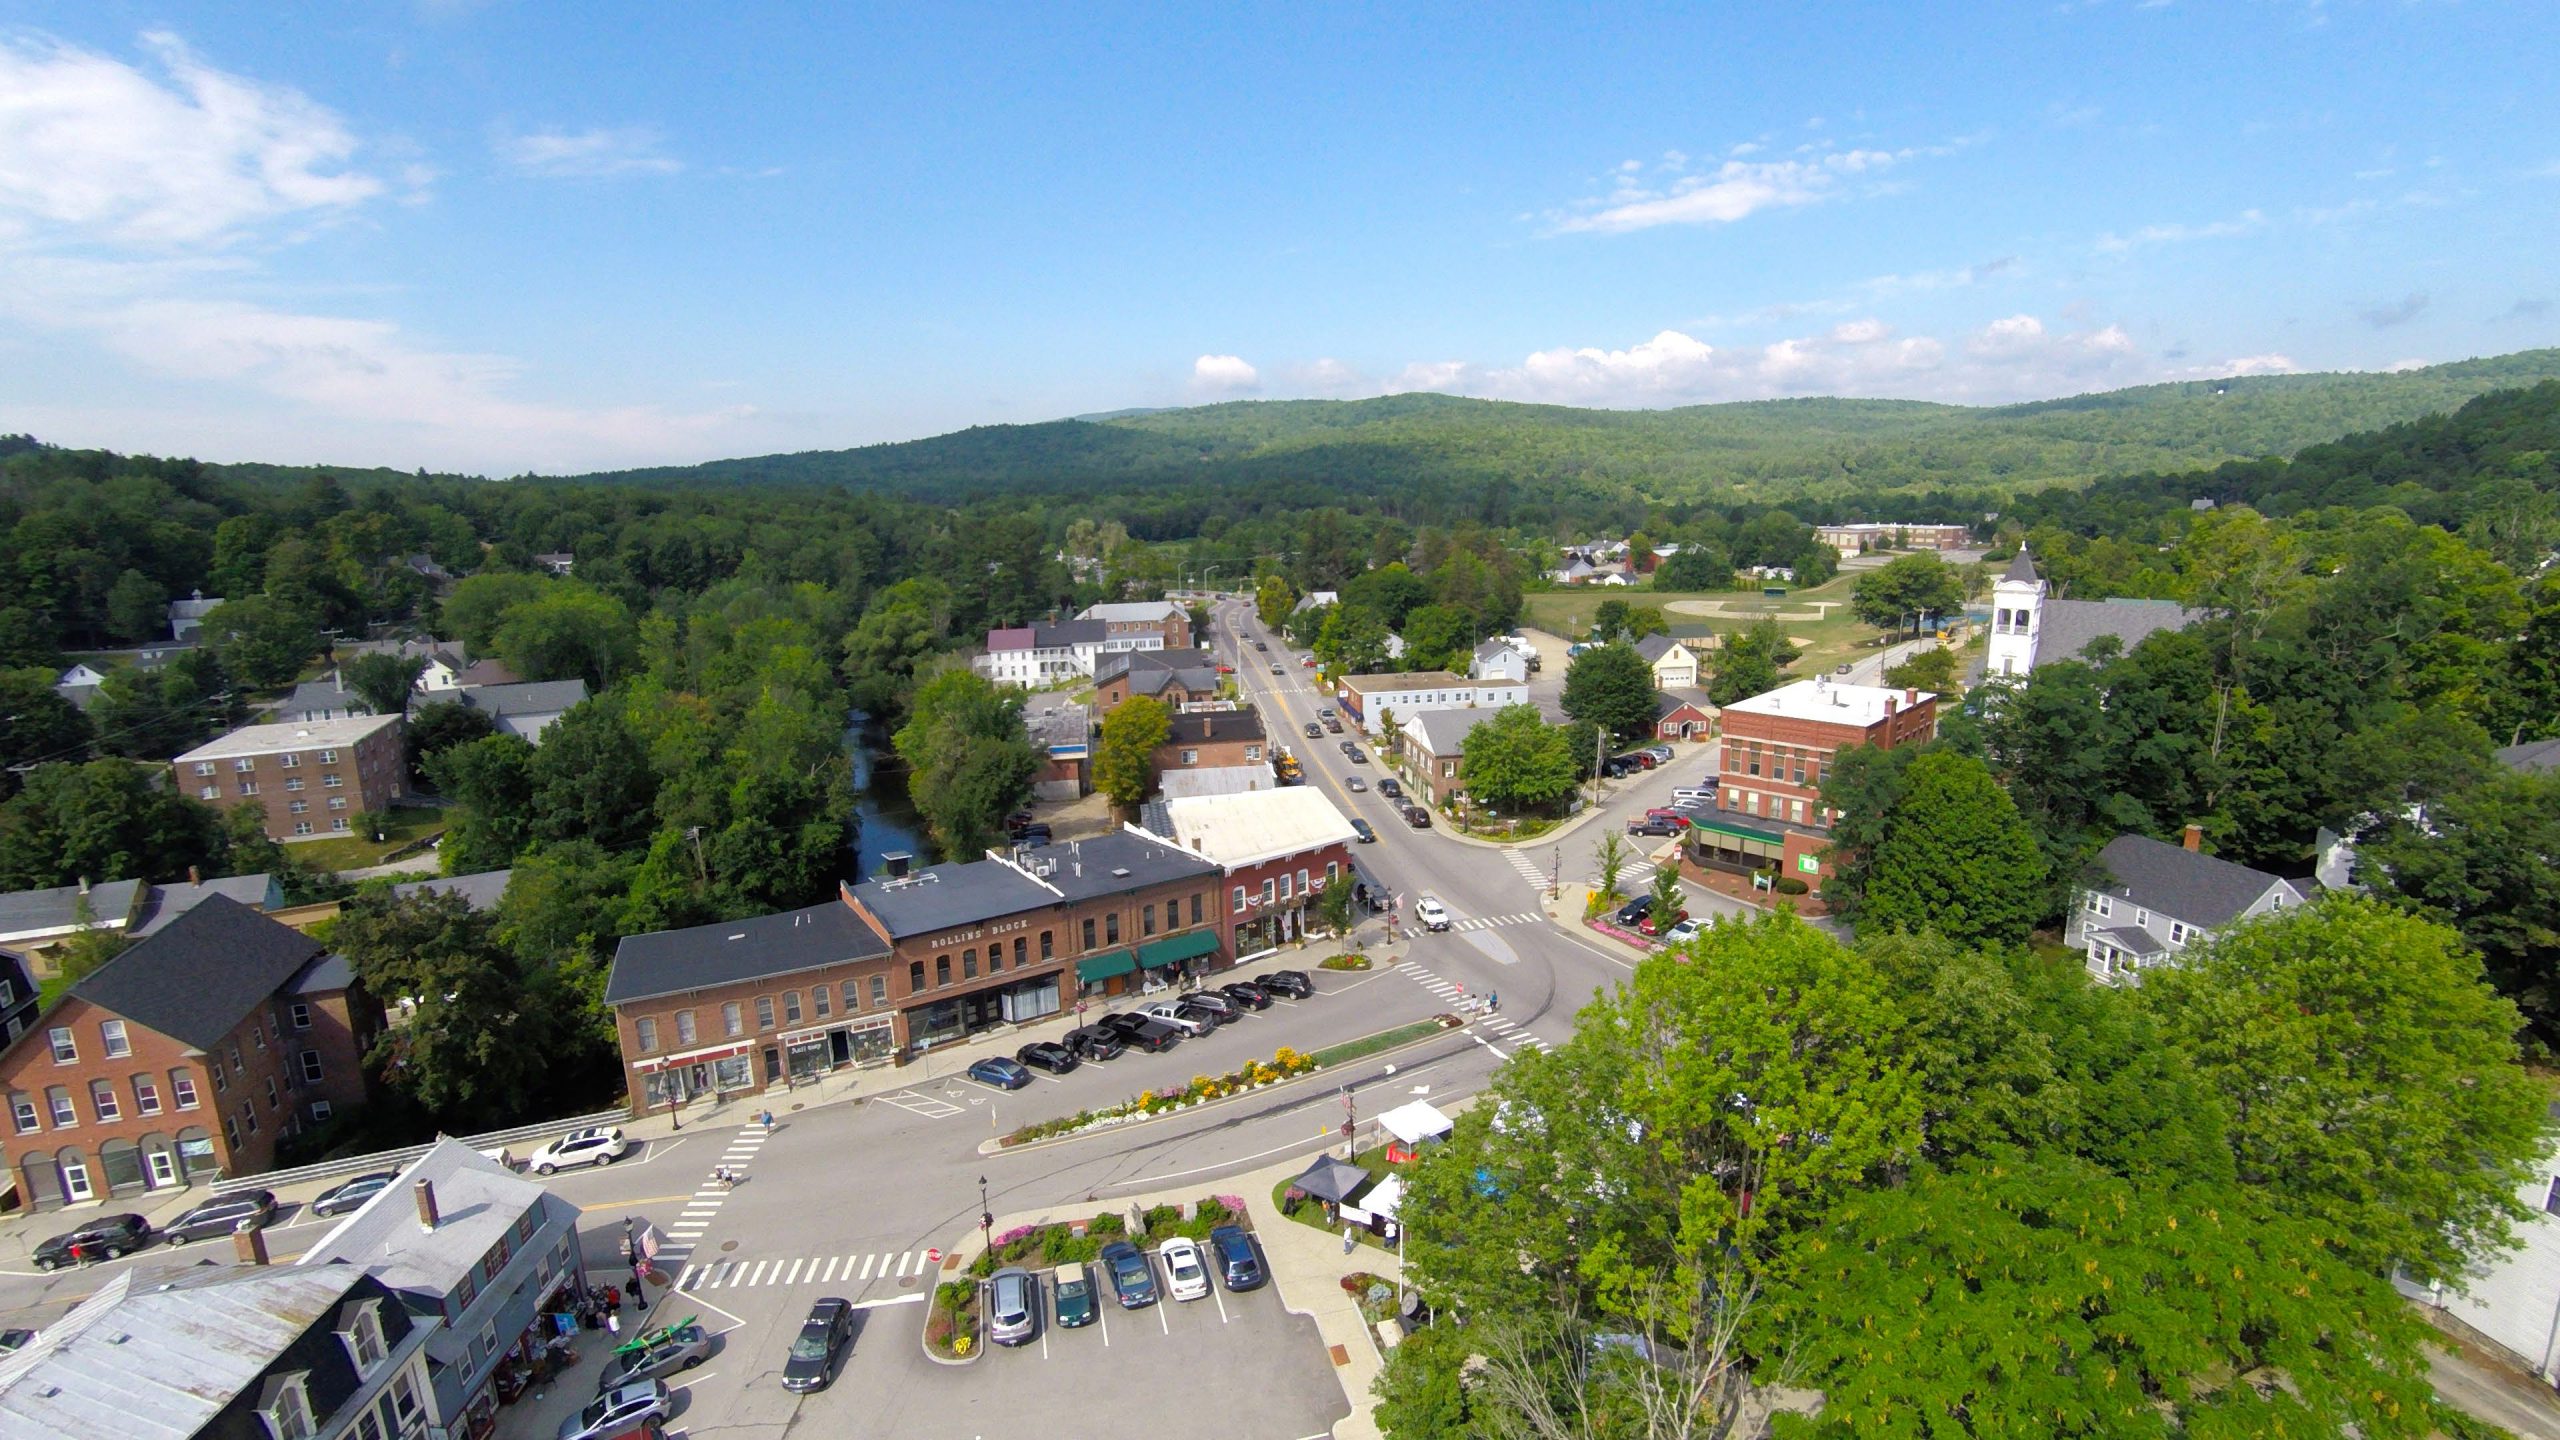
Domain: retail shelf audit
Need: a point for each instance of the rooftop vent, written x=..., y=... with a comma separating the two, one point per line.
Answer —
x=1119, y=872
x=896, y=863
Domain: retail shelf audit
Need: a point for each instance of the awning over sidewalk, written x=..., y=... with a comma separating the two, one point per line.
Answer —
x=1741, y=832
x=696, y=1057
x=1174, y=949
x=1102, y=967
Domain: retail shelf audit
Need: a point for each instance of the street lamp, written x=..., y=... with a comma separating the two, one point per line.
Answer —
x=986, y=1218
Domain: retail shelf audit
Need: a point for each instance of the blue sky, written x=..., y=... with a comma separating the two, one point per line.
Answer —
x=505, y=237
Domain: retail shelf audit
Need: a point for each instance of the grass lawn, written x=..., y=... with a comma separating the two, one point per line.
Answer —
x=1311, y=1213
x=409, y=824
x=1351, y=1050
x=1837, y=636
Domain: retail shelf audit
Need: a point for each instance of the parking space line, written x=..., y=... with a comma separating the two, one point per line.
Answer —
x=1102, y=1317
x=1223, y=1317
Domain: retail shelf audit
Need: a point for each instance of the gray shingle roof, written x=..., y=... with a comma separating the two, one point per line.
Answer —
x=329, y=695
x=28, y=911
x=481, y=891
x=196, y=978
x=2021, y=569
x=477, y=1201
x=1654, y=647
x=1222, y=726
x=2068, y=627
x=669, y=962
x=2179, y=883
x=165, y=903
x=1444, y=732
x=1116, y=864
x=530, y=697
x=2534, y=757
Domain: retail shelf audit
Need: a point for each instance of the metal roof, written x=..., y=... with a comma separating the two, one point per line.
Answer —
x=478, y=1202
x=1241, y=830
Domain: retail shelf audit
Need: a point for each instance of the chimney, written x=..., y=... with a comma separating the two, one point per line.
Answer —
x=249, y=1243
x=427, y=1216
x=2195, y=839
x=895, y=862
x=84, y=884
x=1910, y=697
x=195, y=876
x=1892, y=703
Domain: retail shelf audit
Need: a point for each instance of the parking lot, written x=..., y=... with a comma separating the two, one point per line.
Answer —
x=1131, y=1373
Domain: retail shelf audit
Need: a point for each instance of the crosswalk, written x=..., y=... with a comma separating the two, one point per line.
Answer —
x=704, y=1203
x=1457, y=997
x=838, y=1270
x=1488, y=922
x=1527, y=869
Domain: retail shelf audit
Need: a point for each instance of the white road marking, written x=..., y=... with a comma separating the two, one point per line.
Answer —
x=758, y=1277
x=889, y=1300
x=904, y=1261
x=791, y=1279
x=829, y=1277
x=866, y=1267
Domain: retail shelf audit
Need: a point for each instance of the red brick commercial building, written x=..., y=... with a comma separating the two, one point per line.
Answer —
x=1160, y=621
x=1213, y=739
x=184, y=1059
x=1176, y=677
x=1279, y=849
x=913, y=959
x=310, y=779
x=1777, y=749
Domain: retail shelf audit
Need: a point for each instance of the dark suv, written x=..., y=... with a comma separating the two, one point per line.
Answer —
x=105, y=1238
x=221, y=1216
x=1237, y=1264
x=1092, y=1042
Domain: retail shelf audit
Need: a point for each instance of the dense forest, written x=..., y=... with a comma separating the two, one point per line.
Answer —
x=1538, y=466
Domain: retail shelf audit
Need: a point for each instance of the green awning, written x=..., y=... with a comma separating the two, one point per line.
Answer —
x=1173, y=949
x=1103, y=967
x=1741, y=832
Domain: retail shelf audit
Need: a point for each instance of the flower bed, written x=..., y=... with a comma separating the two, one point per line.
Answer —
x=1037, y=1247
x=1620, y=933
x=1343, y=962
x=952, y=1329
x=1283, y=1064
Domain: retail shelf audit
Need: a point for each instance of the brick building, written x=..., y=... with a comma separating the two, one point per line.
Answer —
x=1168, y=624
x=1213, y=739
x=1777, y=748
x=1176, y=677
x=309, y=779
x=1377, y=702
x=1435, y=752
x=1278, y=849
x=910, y=960
x=184, y=1058
x=1871, y=535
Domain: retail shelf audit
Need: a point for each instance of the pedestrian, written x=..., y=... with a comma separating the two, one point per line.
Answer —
x=1493, y=1002
x=767, y=1119
x=79, y=1253
x=1349, y=1242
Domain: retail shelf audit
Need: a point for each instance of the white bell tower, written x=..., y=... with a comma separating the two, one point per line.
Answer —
x=2017, y=611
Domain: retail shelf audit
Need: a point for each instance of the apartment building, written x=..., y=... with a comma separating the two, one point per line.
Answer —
x=1778, y=747
x=1379, y=701
x=307, y=779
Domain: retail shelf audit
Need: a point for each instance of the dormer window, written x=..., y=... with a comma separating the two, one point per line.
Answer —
x=287, y=1410
x=362, y=1335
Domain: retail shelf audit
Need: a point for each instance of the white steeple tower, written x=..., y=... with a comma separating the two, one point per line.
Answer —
x=2017, y=612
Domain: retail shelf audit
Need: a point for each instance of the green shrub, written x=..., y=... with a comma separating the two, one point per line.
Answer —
x=1343, y=962
x=1790, y=885
x=1108, y=1223
x=1162, y=1218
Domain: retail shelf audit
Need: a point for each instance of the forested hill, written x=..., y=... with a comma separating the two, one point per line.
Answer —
x=1440, y=447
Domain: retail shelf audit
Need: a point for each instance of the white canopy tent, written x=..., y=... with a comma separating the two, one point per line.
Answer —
x=1415, y=1123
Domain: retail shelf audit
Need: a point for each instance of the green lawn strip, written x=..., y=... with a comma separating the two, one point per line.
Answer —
x=1311, y=1212
x=408, y=825
x=1350, y=1050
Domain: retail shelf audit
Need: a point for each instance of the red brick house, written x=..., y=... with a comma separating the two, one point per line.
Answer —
x=1213, y=739
x=1777, y=748
x=1675, y=718
x=1279, y=848
x=184, y=1059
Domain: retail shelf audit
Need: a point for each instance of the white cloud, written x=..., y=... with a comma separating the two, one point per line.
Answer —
x=586, y=154
x=90, y=145
x=2268, y=364
x=2247, y=222
x=2399, y=312
x=1724, y=193
x=1224, y=375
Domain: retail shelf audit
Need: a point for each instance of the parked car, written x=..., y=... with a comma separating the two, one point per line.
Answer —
x=1170, y=1012
x=350, y=1194
x=1618, y=767
x=1211, y=1006
x=1355, y=784
x=1674, y=816
x=1661, y=753
x=1225, y=669
x=1186, y=1277
x=1417, y=817
x=1646, y=758
x=1648, y=825
x=1391, y=787
x=1276, y=670
x=812, y=1361
x=586, y=1145
x=1131, y=1279
x=1047, y=1055
x=1237, y=1264
x=1324, y=712
x=1307, y=662
x=1154, y=1037
x=999, y=1072
x=617, y=1411
x=107, y=1237
x=1693, y=796
x=1071, y=1290
x=1314, y=730
x=221, y=1216
x=1333, y=724
x=1350, y=747
x=1432, y=914
x=1687, y=930
x=1092, y=1042
x=1247, y=994
x=1262, y=646
x=1013, y=1306
x=1122, y=1024
x=1634, y=911
x=1293, y=983
x=1656, y=923
x=681, y=1348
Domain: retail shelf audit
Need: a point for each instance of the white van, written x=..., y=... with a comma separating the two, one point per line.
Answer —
x=1693, y=797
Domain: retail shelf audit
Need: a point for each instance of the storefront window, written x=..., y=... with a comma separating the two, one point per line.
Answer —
x=735, y=1073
